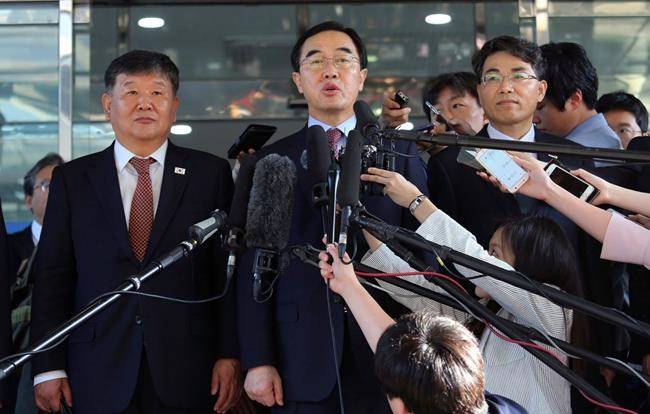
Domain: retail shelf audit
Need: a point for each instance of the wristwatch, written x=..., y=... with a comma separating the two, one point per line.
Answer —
x=416, y=202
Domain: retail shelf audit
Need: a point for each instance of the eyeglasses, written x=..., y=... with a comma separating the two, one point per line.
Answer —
x=495, y=78
x=627, y=132
x=44, y=186
x=318, y=63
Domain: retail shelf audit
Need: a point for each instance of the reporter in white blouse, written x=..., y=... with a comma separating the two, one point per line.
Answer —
x=536, y=247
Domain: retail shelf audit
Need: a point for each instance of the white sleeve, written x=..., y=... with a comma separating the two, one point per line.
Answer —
x=49, y=375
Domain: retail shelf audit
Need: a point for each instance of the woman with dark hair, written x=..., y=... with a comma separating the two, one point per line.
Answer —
x=534, y=246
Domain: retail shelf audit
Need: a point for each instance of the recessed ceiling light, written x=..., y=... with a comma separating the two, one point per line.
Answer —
x=438, y=18
x=151, y=22
x=181, y=129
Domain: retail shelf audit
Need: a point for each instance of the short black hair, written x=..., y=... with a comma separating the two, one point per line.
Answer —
x=568, y=69
x=325, y=27
x=523, y=49
x=29, y=180
x=462, y=83
x=432, y=363
x=624, y=101
x=139, y=62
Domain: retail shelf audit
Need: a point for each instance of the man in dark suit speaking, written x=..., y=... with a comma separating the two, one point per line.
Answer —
x=108, y=215
x=285, y=342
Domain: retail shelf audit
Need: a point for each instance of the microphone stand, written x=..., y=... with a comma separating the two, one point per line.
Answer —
x=482, y=312
x=199, y=233
x=471, y=141
x=309, y=254
x=388, y=232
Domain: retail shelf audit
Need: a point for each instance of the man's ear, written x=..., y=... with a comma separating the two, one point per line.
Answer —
x=28, y=202
x=363, y=73
x=297, y=80
x=541, y=90
x=106, y=105
x=574, y=101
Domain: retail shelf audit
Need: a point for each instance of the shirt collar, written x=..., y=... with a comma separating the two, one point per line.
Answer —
x=496, y=134
x=123, y=155
x=345, y=127
x=596, y=121
x=36, y=231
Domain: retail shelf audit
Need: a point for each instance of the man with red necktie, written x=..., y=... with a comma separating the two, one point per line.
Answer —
x=109, y=214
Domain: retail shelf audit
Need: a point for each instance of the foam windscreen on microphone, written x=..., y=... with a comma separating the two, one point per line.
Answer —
x=367, y=122
x=318, y=155
x=348, y=192
x=243, y=185
x=271, y=203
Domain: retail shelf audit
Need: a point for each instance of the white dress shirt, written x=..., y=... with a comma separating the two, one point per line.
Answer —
x=528, y=136
x=510, y=371
x=345, y=127
x=128, y=179
x=36, y=232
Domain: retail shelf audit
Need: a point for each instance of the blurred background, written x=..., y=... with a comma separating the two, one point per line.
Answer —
x=234, y=62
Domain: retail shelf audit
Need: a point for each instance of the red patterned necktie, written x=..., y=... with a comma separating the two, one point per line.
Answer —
x=333, y=137
x=141, y=215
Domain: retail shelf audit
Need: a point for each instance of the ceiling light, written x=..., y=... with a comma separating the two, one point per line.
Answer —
x=181, y=129
x=438, y=18
x=151, y=22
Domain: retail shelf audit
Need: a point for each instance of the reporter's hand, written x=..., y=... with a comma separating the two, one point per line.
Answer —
x=604, y=188
x=227, y=382
x=392, y=114
x=264, y=385
x=341, y=276
x=48, y=394
x=539, y=184
x=398, y=188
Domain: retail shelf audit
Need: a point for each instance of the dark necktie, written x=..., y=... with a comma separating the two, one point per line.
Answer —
x=141, y=215
x=333, y=137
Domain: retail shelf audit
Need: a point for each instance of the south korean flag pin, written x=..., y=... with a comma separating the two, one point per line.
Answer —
x=179, y=170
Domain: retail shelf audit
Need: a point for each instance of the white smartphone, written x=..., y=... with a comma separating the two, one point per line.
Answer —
x=501, y=165
x=576, y=186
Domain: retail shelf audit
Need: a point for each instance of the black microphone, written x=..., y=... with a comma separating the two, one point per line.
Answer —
x=268, y=221
x=367, y=122
x=319, y=159
x=238, y=210
x=204, y=229
x=348, y=195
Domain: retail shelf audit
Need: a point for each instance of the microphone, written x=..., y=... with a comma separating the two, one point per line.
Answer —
x=348, y=196
x=204, y=229
x=238, y=209
x=269, y=220
x=367, y=122
x=319, y=160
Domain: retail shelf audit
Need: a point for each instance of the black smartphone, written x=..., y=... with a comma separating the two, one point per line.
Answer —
x=576, y=186
x=401, y=98
x=253, y=137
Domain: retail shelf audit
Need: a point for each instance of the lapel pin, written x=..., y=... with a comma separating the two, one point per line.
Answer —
x=179, y=170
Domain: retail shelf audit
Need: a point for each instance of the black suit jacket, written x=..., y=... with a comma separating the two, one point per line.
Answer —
x=477, y=205
x=22, y=246
x=84, y=251
x=291, y=330
x=5, y=321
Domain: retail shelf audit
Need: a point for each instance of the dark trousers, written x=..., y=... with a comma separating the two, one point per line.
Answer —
x=357, y=399
x=145, y=400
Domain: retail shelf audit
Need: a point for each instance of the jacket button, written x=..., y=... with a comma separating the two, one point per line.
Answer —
x=138, y=320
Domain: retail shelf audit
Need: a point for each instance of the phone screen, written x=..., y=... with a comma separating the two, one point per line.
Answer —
x=499, y=164
x=568, y=181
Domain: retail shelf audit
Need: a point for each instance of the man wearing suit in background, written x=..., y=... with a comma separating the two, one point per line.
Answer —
x=36, y=187
x=510, y=88
x=285, y=343
x=108, y=215
x=5, y=312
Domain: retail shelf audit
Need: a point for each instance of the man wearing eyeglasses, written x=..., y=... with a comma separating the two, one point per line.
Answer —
x=286, y=344
x=36, y=188
x=625, y=114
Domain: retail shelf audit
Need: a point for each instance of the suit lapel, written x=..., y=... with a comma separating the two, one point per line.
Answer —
x=103, y=178
x=171, y=193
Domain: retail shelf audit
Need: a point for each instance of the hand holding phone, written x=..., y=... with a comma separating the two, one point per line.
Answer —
x=500, y=165
x=253, y=137
x=575, y=185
